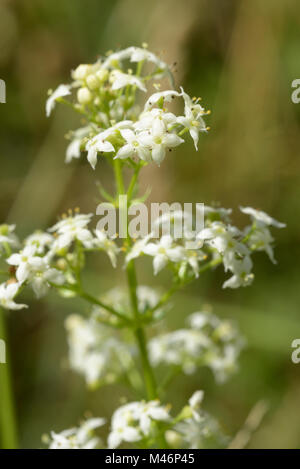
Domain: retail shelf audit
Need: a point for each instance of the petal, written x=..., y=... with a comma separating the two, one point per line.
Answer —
x=172, y=140
x=125, y=152
x=22, y=272
x=92, y=157
x=158, y=153
x=159, y=262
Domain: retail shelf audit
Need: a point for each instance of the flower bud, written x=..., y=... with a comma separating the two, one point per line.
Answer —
x=102, y=74
x=92, y=82
x=84, y=96
x=81, y=72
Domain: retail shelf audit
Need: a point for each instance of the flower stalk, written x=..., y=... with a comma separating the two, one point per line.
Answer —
x=8, y=427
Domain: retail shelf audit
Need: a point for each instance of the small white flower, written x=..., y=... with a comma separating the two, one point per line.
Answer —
x=134, y=146
x=161, y=96
x=163, y=252
x=137, y=248
x=132, y=422
x=35, y=269
x=121, y=80
x=159, y=140
x=96, y=145
x=204, y=343
x=241, y=269
x=108, y=245
x=192, y=257
x=8, y=236
x=94, y=352
x=155, y=117
x=40, y=278
x=260, y=239
x=192, y=120
x=26, y=261
x=40, y=240
x=99, y=144
x=61, y=90
x=136, y=54
x=77, y=437
x=262, y=218
x=7, y=295
x=72, y=228
x=222, y=237
x=217, y=213
x=74, y=148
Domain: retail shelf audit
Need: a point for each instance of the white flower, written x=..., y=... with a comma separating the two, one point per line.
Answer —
x=154, y=118
x=7, y=235
x=262, y=218
x=192, y=120
x=137, y=248
x=200, y=426
x=41, y=277
x=26, y=261
x=94, y=352
x=136, y=54
x=35, y=269
x=159, y=140
x=260, y=239
x=7, y=294
x=72, y=228
x=99, y=144
x=221, y=237
x=134, y=146
x=217, y=213
x=108, y=245
x=163, y=252
x=241, y=269
x=40, y=240
x=74, y=148
x=132, y=422
x=161, y=96
x=77, y=438
x=121, y=80
x=96, y=145
x=62, y=90
x=205, y=343
x=192, y=257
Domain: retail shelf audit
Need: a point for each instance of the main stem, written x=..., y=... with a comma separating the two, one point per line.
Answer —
x=149, y=378
x=8, y=431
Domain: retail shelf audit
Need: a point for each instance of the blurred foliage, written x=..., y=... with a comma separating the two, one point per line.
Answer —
x=241, y=57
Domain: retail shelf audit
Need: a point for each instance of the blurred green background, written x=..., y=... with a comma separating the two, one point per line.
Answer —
x=241, y=57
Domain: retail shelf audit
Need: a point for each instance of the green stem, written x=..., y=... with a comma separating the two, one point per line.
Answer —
x=149, y=378
x=95, y=301
x=119, y=177
x=8, y=431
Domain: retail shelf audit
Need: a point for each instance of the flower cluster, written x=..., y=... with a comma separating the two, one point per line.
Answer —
x=218, y=242
x=208, y=341
x=50, y=258
x=141, y=422
x=78, y=437
x=110, y=343
x=117, y=126
x=95, y=352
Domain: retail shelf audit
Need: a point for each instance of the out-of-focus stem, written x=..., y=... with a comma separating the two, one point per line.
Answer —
x=8, y=430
